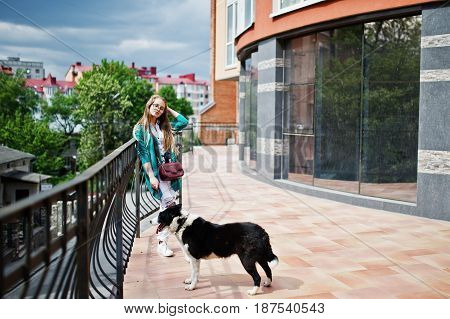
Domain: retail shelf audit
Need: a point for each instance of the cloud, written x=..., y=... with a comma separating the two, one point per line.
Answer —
x=147, y=32
x=133, y=45
x=13, y=32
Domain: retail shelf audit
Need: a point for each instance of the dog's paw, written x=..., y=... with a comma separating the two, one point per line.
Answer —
x=187, y=281
x=267, y=283
x=253, y=291
x=189, y=287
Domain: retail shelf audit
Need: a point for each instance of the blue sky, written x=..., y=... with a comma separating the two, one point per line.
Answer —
x=149, y=32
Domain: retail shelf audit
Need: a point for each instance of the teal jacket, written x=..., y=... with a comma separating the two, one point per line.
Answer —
x=146, y=152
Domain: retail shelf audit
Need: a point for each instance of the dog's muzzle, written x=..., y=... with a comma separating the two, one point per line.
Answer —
x=160, y=227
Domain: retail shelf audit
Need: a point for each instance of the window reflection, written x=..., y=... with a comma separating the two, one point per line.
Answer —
x=391, y=108
x=351, y=111
x=298, y=130
x=250, y=109
x=338, y=109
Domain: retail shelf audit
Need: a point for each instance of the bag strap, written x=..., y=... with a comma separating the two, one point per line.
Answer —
x=156, y=147
x=158, y=154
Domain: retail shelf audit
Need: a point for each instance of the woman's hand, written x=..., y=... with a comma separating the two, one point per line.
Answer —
x=174, y=113
x=154, y=182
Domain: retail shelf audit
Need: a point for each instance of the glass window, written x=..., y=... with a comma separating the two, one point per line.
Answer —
x=298, y=132
x=250, y=75
x=248, y=16
x=288, y=3
x=351, y=111
x=391, y=108
x=338, y=98
x=231, y=32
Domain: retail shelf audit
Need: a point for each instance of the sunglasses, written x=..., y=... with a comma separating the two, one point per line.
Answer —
x=158, y=106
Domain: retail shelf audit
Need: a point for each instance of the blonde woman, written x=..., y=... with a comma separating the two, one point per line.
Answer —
x=154, y=129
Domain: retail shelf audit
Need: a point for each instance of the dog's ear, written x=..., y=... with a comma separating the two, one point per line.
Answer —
x=178, y=207
x=164, y=218
x=181, y=220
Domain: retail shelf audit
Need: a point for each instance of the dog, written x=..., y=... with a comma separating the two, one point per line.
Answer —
x=201, y=239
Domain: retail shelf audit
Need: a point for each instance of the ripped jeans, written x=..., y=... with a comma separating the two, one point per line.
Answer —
x=168, y=196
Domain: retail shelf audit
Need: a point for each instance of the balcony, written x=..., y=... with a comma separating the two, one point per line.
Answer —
x=326, y=249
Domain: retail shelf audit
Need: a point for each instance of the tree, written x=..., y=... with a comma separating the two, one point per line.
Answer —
x=62, y=111
x=182, y=105
x=15, y=97
x=23, y=132
x=112, y=99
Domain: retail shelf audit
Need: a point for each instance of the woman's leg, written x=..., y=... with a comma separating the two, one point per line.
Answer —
x=168, y=195
x=163, y=236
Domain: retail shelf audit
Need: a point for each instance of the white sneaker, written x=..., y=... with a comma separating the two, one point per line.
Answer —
x=164, y=250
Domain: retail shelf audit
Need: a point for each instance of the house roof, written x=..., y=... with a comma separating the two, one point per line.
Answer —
x=207, y=107
x=78, y=67
x=6, y=69
x=50, y=81
x=8, y=155
x=173, y=80
x=34, y=178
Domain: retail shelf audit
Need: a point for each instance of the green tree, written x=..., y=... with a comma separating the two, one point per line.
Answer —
x=182, y=105
x=23, y=132
x=14, y=96
x=62, y=111
x=112, y=99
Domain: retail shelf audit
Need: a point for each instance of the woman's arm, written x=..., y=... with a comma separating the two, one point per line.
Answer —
x=153, y=180
x=144, y=156
x=180, y=121
x=173, y=112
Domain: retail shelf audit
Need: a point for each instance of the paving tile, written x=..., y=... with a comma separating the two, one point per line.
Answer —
x=326, y=249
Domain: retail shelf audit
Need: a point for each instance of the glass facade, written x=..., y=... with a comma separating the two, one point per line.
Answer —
x=250, y=71
x=352, y=108
x=298, y=129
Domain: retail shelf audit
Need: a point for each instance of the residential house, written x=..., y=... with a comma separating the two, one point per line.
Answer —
x=75, y=72
x=17, y=181
x=47, y=87
x=218, y=119
x=30, y=69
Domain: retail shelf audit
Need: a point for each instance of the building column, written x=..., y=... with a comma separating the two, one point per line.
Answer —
x=270, y=108
x=242, y=88
x=433, y=173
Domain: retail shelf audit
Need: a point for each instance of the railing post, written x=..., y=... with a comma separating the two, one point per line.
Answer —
x=192, y=138
x=137, y=190
x=82, y=251
x=119, y=243
x=180, y=152
x=2, y=244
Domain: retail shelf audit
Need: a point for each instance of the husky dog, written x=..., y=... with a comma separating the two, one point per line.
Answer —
x=201, y=239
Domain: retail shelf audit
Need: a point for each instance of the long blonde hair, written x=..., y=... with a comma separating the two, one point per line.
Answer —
x=164, y=123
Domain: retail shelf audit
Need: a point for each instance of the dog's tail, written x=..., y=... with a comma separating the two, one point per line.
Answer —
x=273, y=260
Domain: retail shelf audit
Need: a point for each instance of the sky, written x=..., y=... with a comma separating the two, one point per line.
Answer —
x=148, y=32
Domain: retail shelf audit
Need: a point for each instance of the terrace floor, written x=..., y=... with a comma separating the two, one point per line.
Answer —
x=326, y=249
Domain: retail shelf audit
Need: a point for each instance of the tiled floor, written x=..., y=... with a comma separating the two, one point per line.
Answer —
x=326, y=249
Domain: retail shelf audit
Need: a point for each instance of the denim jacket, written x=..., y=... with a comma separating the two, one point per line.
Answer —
x=146, y=152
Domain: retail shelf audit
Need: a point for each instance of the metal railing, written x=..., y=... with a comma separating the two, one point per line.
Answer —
x=75, y=240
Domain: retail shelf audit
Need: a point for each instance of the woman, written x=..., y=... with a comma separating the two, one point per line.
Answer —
x=153, y=129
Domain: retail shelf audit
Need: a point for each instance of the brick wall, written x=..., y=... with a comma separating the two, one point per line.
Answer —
x=223, y=111
x=223, y=94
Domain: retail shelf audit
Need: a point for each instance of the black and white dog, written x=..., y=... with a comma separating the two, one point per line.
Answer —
x=201, y=239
